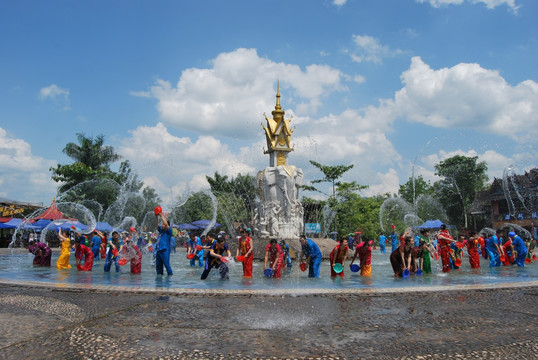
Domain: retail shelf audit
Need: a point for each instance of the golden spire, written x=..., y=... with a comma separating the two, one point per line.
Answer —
x=278, y=107
x=278, y=133
x=278, y=113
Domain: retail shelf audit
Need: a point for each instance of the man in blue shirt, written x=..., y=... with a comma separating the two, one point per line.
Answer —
x=518, y=245
x=311, y=252
x=96, y=245
x=493, y=247
x=382, y=240
x=162, y=249
x=394, y=240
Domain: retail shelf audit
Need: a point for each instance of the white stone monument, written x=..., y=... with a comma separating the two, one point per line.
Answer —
x=280, y=213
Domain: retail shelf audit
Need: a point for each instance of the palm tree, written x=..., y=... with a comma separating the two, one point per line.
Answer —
x=91, y=152
x=92, y=161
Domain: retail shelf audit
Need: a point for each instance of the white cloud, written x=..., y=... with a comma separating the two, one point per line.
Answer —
x=495, y=161
x=57, y=94
x=380, y=184
x=171, y=164
x=231, y=97
x=490, y=4
x=369, y=49
x=339, y=2
x=359, y=79
x=468, y=96
x=222, y=100
x=23, y=175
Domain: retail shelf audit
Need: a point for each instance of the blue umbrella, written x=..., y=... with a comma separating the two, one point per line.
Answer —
x=103, y=226
x=188, y=227
x=204, y=223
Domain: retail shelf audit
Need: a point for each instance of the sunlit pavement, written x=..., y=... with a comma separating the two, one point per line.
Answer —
x=59, y=321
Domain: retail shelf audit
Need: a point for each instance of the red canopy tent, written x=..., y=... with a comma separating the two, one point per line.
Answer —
x=52, y=213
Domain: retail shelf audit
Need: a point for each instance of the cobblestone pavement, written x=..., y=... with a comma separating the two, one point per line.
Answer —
x=68, y=323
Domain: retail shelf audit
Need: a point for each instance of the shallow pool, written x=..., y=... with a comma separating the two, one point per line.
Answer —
x=18, y=267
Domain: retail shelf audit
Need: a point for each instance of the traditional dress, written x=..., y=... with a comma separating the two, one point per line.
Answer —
x=42, y=253
x=396, y=259
x=275, y=254
x=426, y=258
x=337, y=257
x=136, y=262
x=244, y=247
x=86, y=253
x=472, y=250
x=365, y=257
x=63, y=260
x=444, y=248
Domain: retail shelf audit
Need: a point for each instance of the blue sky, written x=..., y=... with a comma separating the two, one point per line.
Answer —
x=179, y=88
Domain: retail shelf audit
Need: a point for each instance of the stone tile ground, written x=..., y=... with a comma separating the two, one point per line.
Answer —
x=66, y=323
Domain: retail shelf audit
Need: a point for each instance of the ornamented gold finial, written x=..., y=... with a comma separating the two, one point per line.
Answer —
x=278, y=134
x=278, y=107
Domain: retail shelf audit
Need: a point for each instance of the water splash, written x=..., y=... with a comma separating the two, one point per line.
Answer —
x=72, y=212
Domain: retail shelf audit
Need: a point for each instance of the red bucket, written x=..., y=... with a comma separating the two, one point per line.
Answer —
x=158, y=210
x=198, y=247
x=240, y=258
x=190, y=256
x=122, y=262
x=457, y=262
x=528, y=261
x=302, y=266
x=534, y=257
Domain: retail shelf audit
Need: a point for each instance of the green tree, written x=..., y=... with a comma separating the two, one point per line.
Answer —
x=412, y=189
x=341, y=191
x=236, y=197
x=219, y=183
x=331, y=175
x=89, y=180
x=462, y=177
x=360, y=214
x=198, y=206
x=92, y=160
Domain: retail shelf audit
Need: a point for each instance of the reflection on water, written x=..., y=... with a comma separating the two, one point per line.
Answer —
x=19, y=267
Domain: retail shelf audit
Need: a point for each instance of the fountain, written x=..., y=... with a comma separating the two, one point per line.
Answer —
x=277, y=213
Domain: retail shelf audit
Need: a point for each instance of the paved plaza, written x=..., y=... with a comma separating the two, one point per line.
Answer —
x=58, y=321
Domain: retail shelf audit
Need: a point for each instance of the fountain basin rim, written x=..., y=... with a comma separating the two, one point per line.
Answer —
x=267, y=292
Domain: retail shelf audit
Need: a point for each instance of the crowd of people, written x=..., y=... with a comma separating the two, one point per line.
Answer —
x=411, y=253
